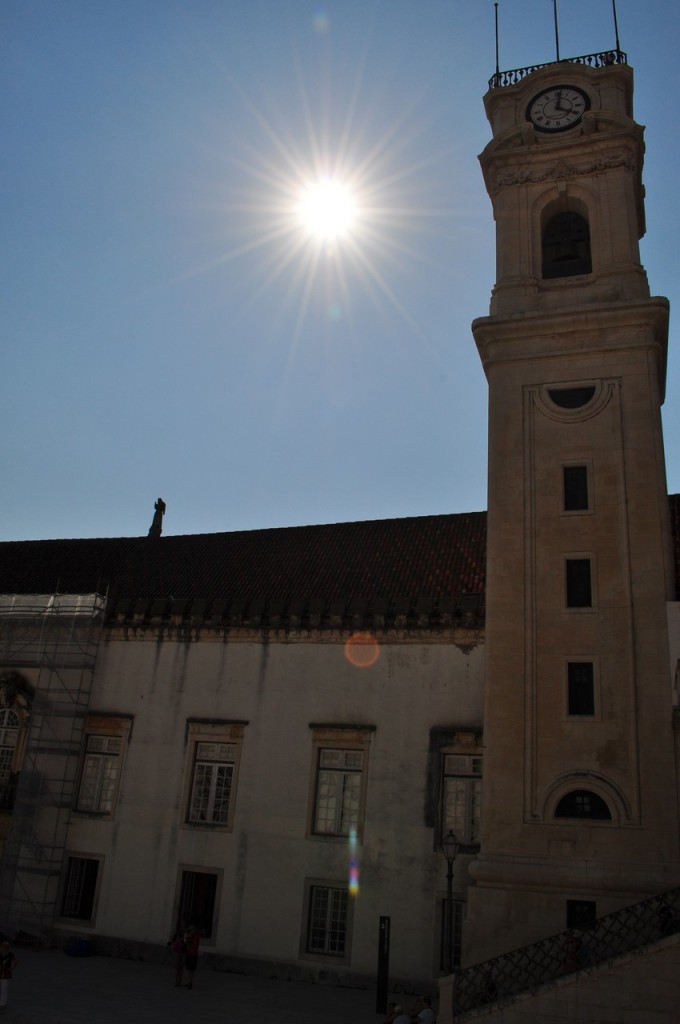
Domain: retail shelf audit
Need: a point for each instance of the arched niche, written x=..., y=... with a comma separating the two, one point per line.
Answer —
x=588, y=797
x=564, y=243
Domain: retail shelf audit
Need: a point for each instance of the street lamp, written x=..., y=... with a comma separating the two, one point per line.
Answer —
x=449, y=847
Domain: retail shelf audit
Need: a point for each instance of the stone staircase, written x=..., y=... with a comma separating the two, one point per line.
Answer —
x=624, y=969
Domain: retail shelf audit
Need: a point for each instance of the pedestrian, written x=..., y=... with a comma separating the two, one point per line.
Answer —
x=401, y=1017
x=179, y=948
x=192, y=939
x=422, y=1012
x=8, y=963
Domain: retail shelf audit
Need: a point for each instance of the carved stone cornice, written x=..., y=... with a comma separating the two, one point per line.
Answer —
x=560, y=169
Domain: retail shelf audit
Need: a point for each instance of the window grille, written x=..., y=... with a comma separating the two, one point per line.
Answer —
x=461, y=797
x=99, y=776
x=327, y=930
x=338, y=791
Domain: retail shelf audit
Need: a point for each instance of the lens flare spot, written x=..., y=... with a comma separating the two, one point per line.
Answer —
x=362, y=650
x=321, y=23
x=353, y=882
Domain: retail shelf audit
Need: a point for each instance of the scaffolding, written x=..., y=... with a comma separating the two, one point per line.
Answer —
x=50, y=641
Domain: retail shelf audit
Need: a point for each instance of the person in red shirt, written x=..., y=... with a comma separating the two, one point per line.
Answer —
x=192, y=939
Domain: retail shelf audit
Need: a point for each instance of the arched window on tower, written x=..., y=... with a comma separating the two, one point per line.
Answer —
x=9, y=734
x=581, y=803
x=566, y=246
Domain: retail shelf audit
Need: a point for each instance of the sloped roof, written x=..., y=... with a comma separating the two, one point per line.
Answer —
x=426, y=567
x=420, y=562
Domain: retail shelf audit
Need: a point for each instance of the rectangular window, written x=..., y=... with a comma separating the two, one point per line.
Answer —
x=575, y=480
x=579, y=585
x=212, y=769
x=458, y=912
x=461, y=797
x=581, y=913
x=211, y=785
x=80, y=888
x=327, y=923
x=100, y=772
x=581, y=688
x=338, y=791
x=196, y=904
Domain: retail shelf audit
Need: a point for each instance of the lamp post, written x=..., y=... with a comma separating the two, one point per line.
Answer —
x=449, y=847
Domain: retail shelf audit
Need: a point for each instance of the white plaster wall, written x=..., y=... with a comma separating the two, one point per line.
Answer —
x=279, y=688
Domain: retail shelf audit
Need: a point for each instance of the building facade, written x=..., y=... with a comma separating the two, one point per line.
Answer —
x=276, y=768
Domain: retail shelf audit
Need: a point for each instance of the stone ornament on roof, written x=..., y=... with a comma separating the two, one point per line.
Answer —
x=156, y=528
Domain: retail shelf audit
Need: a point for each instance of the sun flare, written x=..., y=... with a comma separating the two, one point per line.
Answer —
x=327, y=209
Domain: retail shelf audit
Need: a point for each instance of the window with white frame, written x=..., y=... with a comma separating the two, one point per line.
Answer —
x=100, y=773
x=328, y=921
x=106, y=736
x=212, y=770
x=338, y=791
x=211, y=785
x=461, y=797
x=339, y=776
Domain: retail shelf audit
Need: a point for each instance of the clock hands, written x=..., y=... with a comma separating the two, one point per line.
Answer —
x=558, y=108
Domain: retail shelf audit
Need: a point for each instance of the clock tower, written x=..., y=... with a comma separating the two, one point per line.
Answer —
x=580, y=809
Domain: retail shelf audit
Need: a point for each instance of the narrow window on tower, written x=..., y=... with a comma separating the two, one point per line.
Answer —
x=580, y=688
x=575, y=488
x=581, y=914
x=579, y=584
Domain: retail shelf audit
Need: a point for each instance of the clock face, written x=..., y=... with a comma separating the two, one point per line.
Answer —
x=558, y=108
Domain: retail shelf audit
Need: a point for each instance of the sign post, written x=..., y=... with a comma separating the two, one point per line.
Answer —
x=382, y=986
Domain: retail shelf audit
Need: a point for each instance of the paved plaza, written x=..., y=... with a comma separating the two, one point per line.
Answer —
x=50, y=987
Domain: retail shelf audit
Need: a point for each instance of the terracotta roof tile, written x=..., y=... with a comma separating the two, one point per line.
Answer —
x=419, y=560
x=416, y=564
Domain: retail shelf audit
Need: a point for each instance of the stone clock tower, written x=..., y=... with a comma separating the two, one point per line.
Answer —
x=580, y=810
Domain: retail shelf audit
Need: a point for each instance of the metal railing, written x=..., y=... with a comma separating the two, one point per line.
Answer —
x=531, y=966
x=603, y=59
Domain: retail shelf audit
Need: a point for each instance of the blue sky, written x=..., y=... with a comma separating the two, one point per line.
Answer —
x=167, y=330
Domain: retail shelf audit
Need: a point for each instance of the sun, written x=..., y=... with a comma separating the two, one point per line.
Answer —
x=327, y=209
